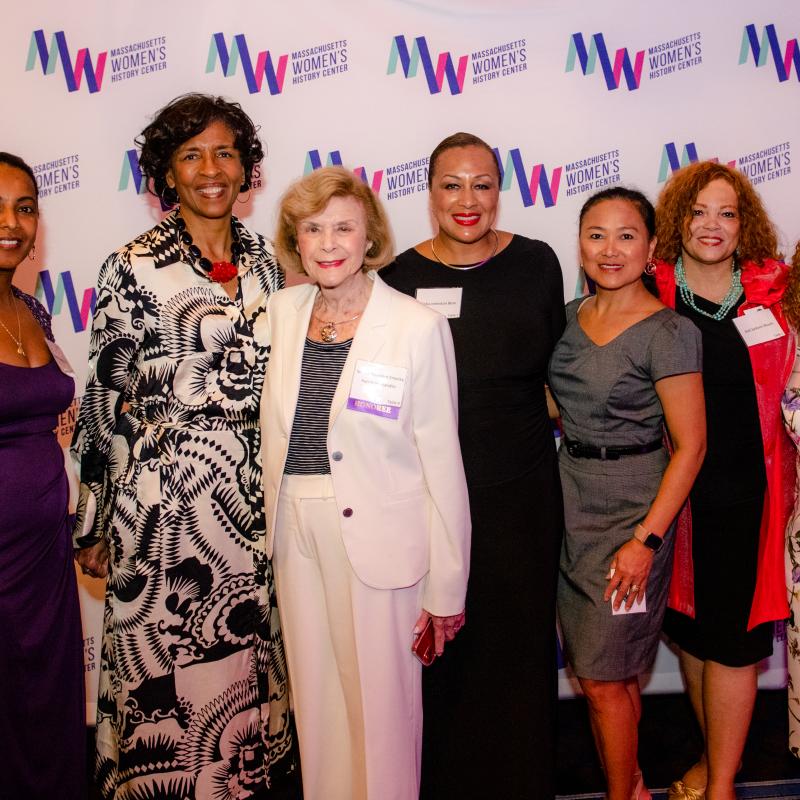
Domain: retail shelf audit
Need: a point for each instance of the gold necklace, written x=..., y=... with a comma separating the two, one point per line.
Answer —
x=469, y=266
x=328, y=332
x=18, y=338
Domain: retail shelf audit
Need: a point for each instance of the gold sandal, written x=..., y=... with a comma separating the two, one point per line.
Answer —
x=680, y=791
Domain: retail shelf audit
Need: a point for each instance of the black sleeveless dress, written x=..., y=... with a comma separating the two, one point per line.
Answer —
x=490, y=701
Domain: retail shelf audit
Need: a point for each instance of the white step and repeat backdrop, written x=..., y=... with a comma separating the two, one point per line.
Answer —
x=573, y=95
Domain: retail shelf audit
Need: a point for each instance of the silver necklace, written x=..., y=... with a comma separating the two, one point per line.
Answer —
x=18, y=338
x=469, y=266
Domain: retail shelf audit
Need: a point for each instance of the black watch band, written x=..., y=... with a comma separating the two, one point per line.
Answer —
x=649, y=539
x=653, y=542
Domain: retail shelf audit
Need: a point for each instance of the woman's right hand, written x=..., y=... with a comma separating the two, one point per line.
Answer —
x=93, y=560
x=630, y=569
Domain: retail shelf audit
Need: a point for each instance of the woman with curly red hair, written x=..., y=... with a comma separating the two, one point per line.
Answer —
x=717, y=263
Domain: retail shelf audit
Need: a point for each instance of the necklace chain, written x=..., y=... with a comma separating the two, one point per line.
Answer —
x=18, y=338
x=469, y=266
x=328, y=332
x=728, y=302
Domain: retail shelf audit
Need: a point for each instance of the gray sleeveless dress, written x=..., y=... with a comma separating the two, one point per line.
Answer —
x=607, y=397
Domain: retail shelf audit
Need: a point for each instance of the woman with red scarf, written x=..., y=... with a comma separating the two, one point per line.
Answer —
x=717, y=263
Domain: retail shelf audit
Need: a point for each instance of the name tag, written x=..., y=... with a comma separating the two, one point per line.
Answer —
x=446, y=301
x=377, y=389
x=758, y=325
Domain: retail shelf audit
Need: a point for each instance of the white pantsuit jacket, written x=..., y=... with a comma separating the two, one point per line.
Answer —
x=399, y=483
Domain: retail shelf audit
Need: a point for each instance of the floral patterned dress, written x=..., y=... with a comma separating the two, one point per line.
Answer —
x=791, y=417
x=193, y=694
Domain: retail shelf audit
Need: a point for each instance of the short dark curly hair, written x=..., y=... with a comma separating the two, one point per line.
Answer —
x=180, y=120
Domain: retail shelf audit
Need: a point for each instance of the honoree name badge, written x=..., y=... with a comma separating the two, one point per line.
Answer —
x=758, y=325
x=447, y=301
x=377, y=389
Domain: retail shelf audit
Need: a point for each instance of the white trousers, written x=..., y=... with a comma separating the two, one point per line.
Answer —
x=355, y=683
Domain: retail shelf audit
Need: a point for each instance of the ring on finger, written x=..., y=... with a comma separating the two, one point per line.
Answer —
x=634, y=588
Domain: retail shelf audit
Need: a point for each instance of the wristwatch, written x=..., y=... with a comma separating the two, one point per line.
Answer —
x=648, y=538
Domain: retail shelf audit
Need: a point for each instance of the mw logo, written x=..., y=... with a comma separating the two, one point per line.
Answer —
x=59, y=51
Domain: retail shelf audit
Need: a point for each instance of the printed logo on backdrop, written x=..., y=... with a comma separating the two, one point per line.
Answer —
x=767, y=45
x=52, y=291
x=58, y=176
x=400, y=180
x=583, y=175
x=67, y=420
x=487, y=64
x=89, y=654
x=269, y=71
x=128, y=61
x=529, y=185
x=628, y=67
x=131, y=175
x=334, y=159
x=762, y=165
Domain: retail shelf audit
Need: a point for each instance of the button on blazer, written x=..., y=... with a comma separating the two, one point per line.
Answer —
x=399, y=483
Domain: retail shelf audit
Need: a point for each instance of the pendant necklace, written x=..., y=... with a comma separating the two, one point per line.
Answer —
x=469, y=266
x=328, y=332
x=18, y=338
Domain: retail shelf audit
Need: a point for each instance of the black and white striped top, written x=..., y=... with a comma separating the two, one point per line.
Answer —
x=319, y=376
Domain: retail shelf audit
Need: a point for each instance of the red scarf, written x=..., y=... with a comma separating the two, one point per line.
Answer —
x=771, y=363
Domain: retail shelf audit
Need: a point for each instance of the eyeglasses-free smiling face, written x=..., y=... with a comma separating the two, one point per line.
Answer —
x=19, y=216
x=333, y=243
x=207, y=173
x=465, y=193
x=615, y=244
x=711, y=234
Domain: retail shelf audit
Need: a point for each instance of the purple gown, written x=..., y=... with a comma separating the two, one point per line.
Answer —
x=42, y=713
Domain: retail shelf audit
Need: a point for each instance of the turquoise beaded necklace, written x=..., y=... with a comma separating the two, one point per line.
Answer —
x=728, y=302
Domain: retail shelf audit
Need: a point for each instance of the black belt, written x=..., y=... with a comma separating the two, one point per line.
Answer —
x=581, y=450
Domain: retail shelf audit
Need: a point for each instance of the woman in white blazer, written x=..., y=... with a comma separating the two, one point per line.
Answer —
x=366, y=501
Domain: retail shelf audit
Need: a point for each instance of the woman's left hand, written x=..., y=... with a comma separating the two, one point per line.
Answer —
x=444, y=628
x=631, y=567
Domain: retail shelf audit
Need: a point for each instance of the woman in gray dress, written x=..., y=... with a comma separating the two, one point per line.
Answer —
x=625, y=367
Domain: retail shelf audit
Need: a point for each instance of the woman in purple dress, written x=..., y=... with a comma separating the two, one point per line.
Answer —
x=42, y=717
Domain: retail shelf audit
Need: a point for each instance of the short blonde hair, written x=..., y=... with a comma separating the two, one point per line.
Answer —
x=310, y=195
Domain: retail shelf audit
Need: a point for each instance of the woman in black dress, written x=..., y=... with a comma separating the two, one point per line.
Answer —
x=490, y=701
x=718, y=261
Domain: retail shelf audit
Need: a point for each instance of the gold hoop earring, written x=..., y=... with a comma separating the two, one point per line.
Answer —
x=32, y=253
x=247, y=200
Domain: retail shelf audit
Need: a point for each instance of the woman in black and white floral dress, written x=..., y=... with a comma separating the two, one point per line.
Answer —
x=193, y=696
